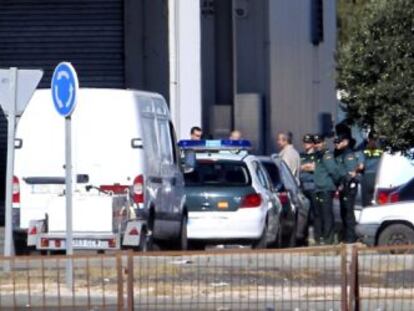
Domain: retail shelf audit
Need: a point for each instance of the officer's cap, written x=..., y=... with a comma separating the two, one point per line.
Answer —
x=341, y=137
x=318, y=138
x=308, y=139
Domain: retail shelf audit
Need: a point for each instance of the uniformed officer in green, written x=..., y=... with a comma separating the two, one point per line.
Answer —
x=326, y=176
x=348, y=164
x=307, y=159
x=372, y=154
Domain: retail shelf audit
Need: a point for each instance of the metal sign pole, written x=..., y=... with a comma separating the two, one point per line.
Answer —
x=8, y=236
x=68, y=192
x=64, y=89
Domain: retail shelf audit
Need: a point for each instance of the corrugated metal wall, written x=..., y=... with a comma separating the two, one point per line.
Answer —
x=274, y=57
x=42, y=33
x=302, y=75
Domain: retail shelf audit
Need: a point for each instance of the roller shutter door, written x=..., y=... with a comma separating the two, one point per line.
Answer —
x=42, y=33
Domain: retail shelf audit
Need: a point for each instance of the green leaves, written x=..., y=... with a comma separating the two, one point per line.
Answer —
x=376, y=71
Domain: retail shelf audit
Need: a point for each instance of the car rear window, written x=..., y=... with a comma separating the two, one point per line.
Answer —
x=407, y=191
x=273, y=173
x=219, y=173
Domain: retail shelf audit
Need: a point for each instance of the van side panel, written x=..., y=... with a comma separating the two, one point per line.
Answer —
x=103, y=125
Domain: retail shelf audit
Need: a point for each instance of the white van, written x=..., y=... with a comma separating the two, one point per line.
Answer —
x=123, y=143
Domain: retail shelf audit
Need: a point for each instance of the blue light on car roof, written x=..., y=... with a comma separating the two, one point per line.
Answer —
x=222, y=144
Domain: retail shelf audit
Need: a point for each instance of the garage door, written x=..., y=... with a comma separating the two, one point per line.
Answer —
x=42, y=33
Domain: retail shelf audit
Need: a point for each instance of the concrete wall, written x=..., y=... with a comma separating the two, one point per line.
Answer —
x=302, y=82
x=146, y=46
x=185, y=65
x=217, y=60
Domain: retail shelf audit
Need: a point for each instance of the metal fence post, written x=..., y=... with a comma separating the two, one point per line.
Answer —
x=354, y=290
x=120, y=281
x=130, y=281
x=344, y=279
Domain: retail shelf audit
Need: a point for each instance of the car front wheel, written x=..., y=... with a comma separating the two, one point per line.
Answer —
x=182, y=242
x=262, y=241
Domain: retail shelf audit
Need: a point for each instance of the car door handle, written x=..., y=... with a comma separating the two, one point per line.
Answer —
x=155, y=180
x=205, y=204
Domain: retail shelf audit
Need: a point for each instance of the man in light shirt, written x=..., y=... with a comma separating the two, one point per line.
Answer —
x=235, y=135
x=288, y=153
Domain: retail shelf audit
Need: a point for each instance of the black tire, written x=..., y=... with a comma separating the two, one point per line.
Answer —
x=261, y=243
x=182, y=241
x=292, y=238
x=286, y=239
x=279, y=239
x=396, y=234
x=145, y=241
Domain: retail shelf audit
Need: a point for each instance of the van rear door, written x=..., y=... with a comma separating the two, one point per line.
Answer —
x=151, y=145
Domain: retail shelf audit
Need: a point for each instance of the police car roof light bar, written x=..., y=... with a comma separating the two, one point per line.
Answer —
x=223, y=144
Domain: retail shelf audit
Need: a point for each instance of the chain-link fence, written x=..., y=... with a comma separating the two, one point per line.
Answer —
x=40, y=283
x=383, y=278
x=294, y=279
x=320, y=278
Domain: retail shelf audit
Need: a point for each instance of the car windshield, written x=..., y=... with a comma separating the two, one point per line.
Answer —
x=273, y=173
x=219, y=173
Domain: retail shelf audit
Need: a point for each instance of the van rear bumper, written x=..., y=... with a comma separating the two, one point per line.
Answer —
x=81, y=241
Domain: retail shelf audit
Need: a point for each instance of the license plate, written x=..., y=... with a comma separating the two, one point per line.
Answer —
x=47, y=189
x=88, y=243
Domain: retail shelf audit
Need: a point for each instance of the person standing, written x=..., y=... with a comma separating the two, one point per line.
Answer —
x=288, y=153
x=235, y=135
x=307, y=159
x=348, y=164
x=326, y=176
x=196, y=133
x=372, y=155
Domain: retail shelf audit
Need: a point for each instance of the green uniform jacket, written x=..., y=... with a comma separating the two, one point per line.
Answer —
x=348, y=162
x=372, y=158
x=326, y=173
x=306, y=178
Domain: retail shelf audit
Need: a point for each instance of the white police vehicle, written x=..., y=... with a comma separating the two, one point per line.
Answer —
x=389, y=224
x=229, y=195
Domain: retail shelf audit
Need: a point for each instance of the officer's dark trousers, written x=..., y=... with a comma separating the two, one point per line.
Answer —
x=367, y=188
x=347, y=201
x=313, y=213
x=324, y=221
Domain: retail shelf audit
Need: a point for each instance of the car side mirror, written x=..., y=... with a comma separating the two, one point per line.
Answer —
x=18, y=143
x=189, y=162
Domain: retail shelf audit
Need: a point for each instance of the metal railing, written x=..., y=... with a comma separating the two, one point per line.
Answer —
x=38, y=282
x=319, y=278
x=383, y=278
x=287, y=279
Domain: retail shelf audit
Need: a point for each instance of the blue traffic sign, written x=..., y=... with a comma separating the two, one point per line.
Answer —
x=64, y=88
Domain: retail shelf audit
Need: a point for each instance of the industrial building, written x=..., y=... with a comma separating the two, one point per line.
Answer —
x=257, y=65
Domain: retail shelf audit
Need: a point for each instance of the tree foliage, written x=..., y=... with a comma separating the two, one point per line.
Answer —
x=376, y=71
x=348, y=13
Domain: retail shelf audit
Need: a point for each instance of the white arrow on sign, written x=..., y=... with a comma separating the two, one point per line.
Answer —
x=27, y=80
x=56, y=90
